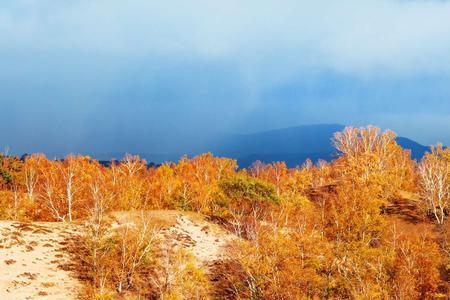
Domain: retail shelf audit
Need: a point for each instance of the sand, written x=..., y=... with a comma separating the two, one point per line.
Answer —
x=32, y=259
x=205, y=240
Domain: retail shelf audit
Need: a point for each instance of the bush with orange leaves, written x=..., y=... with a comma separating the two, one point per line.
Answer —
x=280, y=263
x=130, y=260
x=416, y=267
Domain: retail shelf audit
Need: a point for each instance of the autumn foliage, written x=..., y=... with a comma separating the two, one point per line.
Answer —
x=327, y=230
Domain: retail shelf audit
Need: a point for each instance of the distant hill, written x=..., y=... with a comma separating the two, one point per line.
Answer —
x=292, y=145
x=417, y=150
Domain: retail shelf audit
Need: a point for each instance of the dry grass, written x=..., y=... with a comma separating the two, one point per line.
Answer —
x=405, y=207
x=187, y=231
x=47, y=284
x=10, y=261
x=28, y=275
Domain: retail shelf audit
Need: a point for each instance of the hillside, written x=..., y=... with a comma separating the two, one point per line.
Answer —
x=44, y=260
x=366, y=225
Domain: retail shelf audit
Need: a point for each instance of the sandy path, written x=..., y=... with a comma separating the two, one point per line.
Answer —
x=30, y=256
x=206, y=240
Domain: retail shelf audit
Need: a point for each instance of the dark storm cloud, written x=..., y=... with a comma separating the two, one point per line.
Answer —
x=147, y=76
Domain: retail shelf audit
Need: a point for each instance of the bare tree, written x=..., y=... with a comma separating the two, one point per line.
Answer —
x=434, y=171
x=135, y=242
x=98, y=229
x=69, y=169
x=30, y=182
x=16, y=197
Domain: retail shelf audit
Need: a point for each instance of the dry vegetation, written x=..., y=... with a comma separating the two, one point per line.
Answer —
x=372, y=224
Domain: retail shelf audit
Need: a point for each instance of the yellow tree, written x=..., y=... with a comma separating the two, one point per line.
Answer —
x=50, y=190
x=163, y=187
x=11, y=174
x=198, y=180
x=75, y=172
x=129, y=180
x=30, y=171
x=377, y=157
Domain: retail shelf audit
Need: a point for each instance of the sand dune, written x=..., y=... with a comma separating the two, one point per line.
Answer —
x=32, y=259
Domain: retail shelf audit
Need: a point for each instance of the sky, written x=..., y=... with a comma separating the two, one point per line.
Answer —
x=103, y=76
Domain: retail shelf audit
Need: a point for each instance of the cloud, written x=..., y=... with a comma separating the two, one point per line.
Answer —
x=142, y=70
x=346, y=36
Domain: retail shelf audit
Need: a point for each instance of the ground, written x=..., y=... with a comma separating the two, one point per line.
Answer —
x=32, y=260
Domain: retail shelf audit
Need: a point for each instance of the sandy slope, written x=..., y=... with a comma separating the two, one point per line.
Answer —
x=34, y=257
x=31, y=256
x=206, y=240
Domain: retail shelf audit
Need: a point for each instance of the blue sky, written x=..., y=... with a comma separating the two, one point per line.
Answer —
x=149, y=76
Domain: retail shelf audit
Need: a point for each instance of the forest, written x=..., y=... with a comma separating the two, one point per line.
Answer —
x=371, y=224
